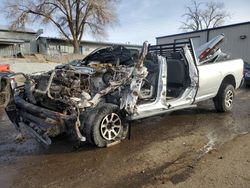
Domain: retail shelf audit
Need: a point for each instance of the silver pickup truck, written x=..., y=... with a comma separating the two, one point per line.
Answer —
x=96, y=100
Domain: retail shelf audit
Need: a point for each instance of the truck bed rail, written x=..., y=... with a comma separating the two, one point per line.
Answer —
x=166, y=50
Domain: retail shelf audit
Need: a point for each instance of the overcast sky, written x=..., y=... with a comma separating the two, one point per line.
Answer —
x=141, y=20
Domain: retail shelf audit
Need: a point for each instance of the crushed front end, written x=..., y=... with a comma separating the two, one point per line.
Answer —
x=60, y=100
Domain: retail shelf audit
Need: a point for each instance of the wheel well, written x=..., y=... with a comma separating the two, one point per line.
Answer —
x=229, y=79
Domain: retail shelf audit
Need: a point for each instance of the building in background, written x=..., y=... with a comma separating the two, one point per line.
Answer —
x=16, y=42
x=236, y=43
x=25, y=41
x=54, y=46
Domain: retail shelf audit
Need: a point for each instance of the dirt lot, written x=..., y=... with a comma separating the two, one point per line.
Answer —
x=189, y=148
x=38, y=62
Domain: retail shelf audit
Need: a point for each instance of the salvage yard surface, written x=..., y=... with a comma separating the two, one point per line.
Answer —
x=189, y=148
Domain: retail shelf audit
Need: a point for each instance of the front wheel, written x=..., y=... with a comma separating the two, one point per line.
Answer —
x=106, y=125
x=224, y=99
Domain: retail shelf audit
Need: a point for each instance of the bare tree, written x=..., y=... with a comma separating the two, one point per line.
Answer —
x=200, y=15
x=71, y=17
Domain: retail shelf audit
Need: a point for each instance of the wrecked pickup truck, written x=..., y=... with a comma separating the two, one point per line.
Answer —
x=96, y=100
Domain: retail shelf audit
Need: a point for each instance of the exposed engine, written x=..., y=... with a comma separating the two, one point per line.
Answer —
x=63, y=88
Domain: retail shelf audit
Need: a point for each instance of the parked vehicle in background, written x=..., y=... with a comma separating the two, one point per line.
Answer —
x=247, y=73
x=4, y=68
x=96, y=100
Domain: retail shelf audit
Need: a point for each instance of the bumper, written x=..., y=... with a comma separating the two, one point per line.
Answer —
x=43, y=123
x=39, y=111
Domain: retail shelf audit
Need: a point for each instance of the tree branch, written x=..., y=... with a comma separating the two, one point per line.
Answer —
x=209, y=14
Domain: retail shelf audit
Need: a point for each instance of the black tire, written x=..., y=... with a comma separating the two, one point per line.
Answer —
x=94, y=121
x=221, y=101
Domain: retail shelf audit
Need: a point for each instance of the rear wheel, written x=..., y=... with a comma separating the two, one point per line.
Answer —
x=224, y=99
x=106, y=125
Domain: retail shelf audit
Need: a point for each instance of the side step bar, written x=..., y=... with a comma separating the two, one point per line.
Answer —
x=147, y=114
